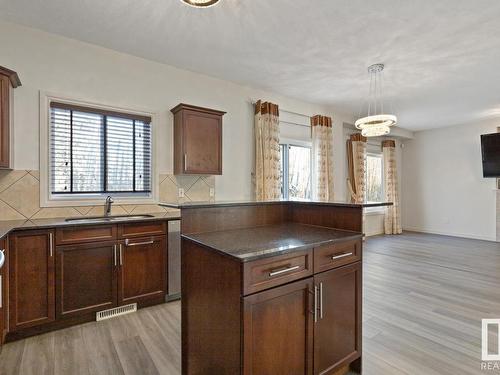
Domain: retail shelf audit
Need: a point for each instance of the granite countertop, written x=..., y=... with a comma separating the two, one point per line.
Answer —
x=8, y=226
x=254, y=202
x=261, y=242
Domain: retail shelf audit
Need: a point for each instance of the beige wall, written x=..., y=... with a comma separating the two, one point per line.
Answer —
x=444, y=191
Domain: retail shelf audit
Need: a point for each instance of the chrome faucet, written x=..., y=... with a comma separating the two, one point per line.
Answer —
x=107, y=205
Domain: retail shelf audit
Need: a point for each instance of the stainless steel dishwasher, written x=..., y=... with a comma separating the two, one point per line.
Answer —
x=174, y=260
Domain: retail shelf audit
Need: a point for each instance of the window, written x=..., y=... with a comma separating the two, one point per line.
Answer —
x=374, y=177
x=94, y=151
x=296, y=168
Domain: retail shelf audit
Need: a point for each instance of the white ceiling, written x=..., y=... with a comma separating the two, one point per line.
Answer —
x=442, y=56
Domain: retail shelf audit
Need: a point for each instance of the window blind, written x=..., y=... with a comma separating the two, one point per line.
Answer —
x=97, y=151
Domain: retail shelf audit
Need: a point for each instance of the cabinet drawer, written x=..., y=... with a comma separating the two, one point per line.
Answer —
x=266, y=273
x=152, y=228
x=338, y=254
x=70, y=235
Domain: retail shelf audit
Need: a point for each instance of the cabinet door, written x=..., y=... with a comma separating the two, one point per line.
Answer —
x=278, y=330
x=142, y=270
x=31, y=279
x=202, y=138
x=86, y=278
x=337, y=333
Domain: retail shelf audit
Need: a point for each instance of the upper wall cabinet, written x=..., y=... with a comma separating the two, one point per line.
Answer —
x=8, y=81
x=197, y=140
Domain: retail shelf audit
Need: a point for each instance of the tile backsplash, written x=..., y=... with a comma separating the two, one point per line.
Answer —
x=20, y=196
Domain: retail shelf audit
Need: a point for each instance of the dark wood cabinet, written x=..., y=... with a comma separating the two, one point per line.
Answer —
x=197, y=140
x=337, y=332
x=63, y=276
x=278, y=330
x=3, y=290
x=335, y=255
x=98, y=276
x=31, y=279
x=154, y=228
x=8, y=80
x=284, y=317
x=271, y=289
x=86, y=278
x=85, y=234
x=141, y=276
x=268, y=272
x=308, y=326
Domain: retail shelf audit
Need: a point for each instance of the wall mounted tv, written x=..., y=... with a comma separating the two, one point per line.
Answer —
x=490, y=148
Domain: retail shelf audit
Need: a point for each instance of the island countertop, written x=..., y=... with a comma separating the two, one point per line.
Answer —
x=205, y=204
x=261, y=242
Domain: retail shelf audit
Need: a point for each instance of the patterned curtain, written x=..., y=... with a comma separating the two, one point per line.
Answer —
x=356, y=155
x=392, y=222
x=322, y=145
x=267, y=152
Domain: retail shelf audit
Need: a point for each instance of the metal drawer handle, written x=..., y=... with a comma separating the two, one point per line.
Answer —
x=127, y=243
x=279, y=272
x=335, y=257
x=121, y=255
x=51, y=244
x=315, y=304
x=2, y=257
x=321, y=300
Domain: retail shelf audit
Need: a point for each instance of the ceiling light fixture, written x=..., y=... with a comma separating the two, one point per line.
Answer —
x=376, y=123
x=201, y=3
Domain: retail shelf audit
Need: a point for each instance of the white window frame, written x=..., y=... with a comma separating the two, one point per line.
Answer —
x=375, y=151
x=298, y=143
x=56, y=200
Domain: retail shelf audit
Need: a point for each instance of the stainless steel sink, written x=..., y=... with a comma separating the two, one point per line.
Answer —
x=93, y=219
x=128, y=217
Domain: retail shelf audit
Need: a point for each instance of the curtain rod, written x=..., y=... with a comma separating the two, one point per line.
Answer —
x=295, y=123
x=253, y=102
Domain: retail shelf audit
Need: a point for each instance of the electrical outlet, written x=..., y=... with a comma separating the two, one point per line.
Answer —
x=212, y=192
x=181, y=193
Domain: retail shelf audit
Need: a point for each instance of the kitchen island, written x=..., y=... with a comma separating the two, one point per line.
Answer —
x=271, y=288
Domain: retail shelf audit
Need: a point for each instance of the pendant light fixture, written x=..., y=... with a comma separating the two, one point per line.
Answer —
x=200, y=3
x=376, y=122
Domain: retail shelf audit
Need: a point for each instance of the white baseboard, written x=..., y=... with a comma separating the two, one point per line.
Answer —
x=452, y=234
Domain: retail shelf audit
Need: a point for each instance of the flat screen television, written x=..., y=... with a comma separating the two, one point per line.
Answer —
x=490, y=148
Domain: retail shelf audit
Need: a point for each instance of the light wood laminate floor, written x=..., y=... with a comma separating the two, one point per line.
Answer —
x=424, y=298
